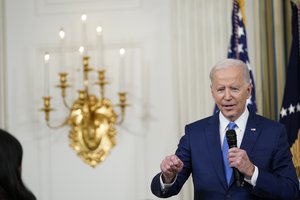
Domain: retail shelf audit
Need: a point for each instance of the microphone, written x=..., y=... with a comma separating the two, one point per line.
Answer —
x=231, y=140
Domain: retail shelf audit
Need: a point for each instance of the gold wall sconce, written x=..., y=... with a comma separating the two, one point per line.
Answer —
x=92, y=118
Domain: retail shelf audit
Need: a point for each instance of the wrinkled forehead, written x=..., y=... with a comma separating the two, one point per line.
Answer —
x=229, y=73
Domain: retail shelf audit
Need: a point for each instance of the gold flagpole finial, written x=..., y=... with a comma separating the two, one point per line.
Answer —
x=296, y=2
x=242, y=8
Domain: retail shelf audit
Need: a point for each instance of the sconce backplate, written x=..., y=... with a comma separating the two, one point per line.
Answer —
x=92, y=133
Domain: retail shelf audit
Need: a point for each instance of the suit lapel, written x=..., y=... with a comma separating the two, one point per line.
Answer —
x=214, y=147
x=251, y=133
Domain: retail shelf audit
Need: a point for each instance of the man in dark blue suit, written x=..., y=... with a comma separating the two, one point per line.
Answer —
x=261, y=158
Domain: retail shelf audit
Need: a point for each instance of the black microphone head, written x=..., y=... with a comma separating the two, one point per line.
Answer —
x=231, y=138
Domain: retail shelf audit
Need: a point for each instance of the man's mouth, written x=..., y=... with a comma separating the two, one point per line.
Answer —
x=228, y=107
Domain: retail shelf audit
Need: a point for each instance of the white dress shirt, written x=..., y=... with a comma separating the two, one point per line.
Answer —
x=241, y=123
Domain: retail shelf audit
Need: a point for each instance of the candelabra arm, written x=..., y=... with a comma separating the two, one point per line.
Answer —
x=63, y=86
x=122, y=105
x=121, y=120
x=86, y=70
x=101, y=82
x=58, y=126
x=66, y=103
x=102, y=92
x=47, y=109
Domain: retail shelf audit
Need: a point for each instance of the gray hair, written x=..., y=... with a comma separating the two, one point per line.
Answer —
x=229, y=62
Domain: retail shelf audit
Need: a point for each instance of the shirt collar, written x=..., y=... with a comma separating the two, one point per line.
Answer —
x=240, y=122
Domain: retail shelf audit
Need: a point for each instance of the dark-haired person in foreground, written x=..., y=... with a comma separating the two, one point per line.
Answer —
x=11, y=184
x=259, y=167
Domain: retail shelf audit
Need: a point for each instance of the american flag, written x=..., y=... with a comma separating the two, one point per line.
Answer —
x=290, y=109
x=238, y=46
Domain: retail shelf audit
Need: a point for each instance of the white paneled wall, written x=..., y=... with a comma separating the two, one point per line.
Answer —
x=171, y=46
x=2, y=68
x=51, y=168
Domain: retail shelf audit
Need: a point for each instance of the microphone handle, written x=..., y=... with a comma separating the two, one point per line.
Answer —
x=236, y=175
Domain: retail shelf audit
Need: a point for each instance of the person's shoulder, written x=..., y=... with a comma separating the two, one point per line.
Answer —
x=201, y=122
x=266, y=122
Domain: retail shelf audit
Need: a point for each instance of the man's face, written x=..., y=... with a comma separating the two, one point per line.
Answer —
x=230, y=91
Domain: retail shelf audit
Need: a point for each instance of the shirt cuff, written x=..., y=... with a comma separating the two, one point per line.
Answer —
x=253, y=179
x=165, y=186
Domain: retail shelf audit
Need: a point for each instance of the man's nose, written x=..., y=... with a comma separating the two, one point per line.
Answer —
x=227, y=94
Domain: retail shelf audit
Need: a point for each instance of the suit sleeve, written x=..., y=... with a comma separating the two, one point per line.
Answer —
x=280, y=181
x=183, y=152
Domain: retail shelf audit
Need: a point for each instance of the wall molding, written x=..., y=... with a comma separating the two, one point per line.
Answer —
x=48, y=7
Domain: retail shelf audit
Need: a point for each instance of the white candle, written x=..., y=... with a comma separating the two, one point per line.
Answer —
x=145, y=83
x=62, y=50
x=122, y=70
x=100, y=47
x=46, y=74
x=84, y=33
x=81, y=69
x=145, y=92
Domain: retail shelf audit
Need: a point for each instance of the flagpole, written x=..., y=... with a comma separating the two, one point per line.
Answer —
x=236, y=22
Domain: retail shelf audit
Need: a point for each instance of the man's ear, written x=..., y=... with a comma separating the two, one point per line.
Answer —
x=249, y=90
